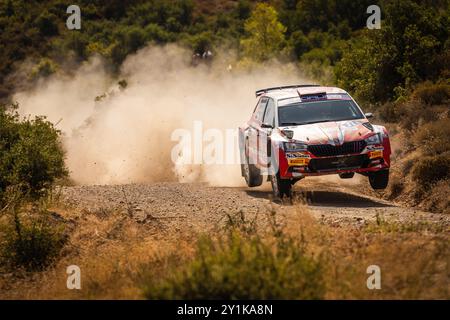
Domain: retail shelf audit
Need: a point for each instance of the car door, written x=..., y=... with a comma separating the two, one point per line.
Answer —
x=253, y=131
x=264, y=133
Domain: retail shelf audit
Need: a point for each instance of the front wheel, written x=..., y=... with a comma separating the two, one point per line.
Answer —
x=379, y=180
x=281, y=187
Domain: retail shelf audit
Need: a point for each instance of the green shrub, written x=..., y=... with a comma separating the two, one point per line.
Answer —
x=241, y=267
x=299, y=43
x=44, y=68
x=33, y=245
x=31, y=155
x=199, y=43
x=432, y=169
x=153, y=32
x=47, y=24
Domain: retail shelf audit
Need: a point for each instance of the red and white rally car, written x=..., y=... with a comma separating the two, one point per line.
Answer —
x=308, y=130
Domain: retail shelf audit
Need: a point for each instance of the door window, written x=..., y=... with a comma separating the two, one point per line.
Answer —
x=259, y=112
x=269, y=116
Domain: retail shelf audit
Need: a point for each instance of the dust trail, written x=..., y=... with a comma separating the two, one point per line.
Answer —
x=126, y=136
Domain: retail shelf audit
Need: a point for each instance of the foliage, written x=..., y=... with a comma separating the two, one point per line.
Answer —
x=265, y=34
x=432, y=94
x=374, y=65
x=324, y=15
x=380, y=65
x=33, y=244
x=31, y=155
x=245, y=263
x=432, y=169
x=433, y=136
x=44, y=68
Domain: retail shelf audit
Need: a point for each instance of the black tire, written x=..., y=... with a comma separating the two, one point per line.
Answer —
x=281, y=187
x=379, y=180
x=251, y=173
x=346, y=175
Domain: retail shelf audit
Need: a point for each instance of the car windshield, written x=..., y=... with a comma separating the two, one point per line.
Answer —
x=318, y=111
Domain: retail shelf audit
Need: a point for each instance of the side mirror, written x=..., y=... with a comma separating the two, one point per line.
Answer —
x=368, y=115
x=266, y=126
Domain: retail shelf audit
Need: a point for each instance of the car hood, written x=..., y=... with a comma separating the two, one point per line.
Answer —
x=335, y=133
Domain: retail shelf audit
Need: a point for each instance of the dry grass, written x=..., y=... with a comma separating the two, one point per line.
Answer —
x=118, y=256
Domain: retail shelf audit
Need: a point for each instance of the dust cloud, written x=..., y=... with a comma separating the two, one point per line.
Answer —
x=125, y=136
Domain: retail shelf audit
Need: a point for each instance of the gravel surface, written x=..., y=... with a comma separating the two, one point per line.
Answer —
x=176, y=207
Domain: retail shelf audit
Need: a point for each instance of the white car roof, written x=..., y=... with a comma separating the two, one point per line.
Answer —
x=294, y=92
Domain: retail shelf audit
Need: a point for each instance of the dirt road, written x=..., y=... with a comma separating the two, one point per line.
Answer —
x=199, y=207
x=118, y=233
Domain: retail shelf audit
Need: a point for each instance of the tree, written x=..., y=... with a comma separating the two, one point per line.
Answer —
x=265, y=34
x=386, y=63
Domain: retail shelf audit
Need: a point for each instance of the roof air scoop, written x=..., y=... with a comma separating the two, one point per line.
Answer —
x=313, y=96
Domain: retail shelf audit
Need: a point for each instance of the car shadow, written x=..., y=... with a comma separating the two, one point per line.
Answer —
x=323, y=199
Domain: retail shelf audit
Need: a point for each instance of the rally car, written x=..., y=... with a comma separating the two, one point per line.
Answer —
x=308, y=130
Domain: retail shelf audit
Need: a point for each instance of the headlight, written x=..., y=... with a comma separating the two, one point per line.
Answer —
x=375, y=139
x=295, y=146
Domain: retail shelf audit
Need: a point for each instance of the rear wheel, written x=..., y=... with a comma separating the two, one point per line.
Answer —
x=281, y=187
x=252, y=174
x=379, y=180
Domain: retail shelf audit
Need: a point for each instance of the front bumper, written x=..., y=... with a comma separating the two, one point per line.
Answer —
x=301, y=164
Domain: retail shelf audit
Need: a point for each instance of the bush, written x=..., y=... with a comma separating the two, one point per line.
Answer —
x=200, y=43
x=413, y=112
x=153, y=32
x=241, y=267
x=431, y=93
x=47, y=24
x=438, y=200
x=434, y=137
x=31, y=155
x=432, y=169
x=33, y=245
x=389, y=112
x=299, y=43
x=44, y=68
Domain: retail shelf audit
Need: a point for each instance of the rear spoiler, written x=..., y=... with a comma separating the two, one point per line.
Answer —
x=262, y=91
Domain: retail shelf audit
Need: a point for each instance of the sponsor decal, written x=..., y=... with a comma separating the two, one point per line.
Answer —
x=292, y=155
x=376, y=154
x=297, y=158
x=298, y=162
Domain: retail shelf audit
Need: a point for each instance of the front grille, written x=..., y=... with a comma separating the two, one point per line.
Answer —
x=328, y=150
x=351, y=162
